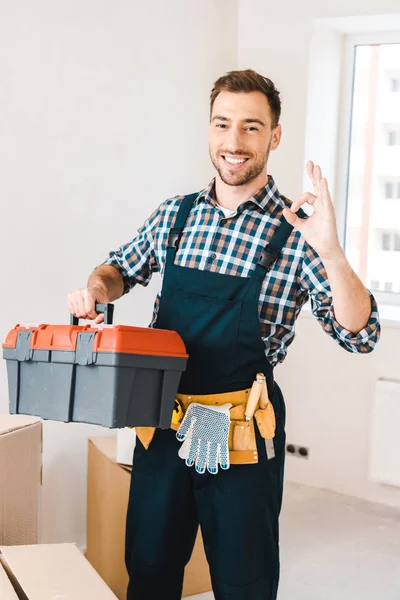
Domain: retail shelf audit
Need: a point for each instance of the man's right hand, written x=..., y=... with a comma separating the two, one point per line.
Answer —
x=82, y=302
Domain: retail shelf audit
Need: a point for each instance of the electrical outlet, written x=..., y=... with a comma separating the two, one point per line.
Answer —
x=300, y=451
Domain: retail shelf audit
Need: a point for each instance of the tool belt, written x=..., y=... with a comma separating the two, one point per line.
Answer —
x=249, y=406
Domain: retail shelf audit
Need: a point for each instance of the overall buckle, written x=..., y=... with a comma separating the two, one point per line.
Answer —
x=174, y=237
x=268, y=256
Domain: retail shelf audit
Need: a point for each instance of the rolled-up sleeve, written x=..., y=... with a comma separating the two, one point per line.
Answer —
x=136, y=260
x=314, y=281
x=366, y=339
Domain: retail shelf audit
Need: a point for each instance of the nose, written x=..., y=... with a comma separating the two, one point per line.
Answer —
x=233, y=141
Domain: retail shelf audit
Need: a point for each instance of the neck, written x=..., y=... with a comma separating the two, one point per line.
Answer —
x=230, y=196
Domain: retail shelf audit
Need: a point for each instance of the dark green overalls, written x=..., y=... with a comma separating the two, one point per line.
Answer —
x=217, y=316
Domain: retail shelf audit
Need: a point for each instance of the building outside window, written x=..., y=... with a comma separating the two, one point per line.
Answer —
x=372, y=222
x=392, y=189
x=395, y=84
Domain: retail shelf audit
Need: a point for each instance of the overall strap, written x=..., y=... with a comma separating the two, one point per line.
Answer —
x=270, y=254
x=176, y=231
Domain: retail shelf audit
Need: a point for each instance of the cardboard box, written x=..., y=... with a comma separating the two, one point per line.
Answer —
x=49, y=572
x=20, y=479
x=7, y=591
x=108, y=490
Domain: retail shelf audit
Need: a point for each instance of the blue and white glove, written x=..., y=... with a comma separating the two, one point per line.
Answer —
x=204, y=432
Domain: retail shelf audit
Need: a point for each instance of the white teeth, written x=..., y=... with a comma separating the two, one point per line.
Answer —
x=235, y=161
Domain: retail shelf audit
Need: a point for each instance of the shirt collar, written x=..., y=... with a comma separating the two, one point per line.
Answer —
x=266, y=198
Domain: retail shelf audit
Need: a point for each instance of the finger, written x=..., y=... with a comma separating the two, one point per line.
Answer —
x=293, y=219
x=201, y=457
x=89, y=304
x=317, y=178
x=317, y=173
x=310, y=170
x=307, y=197
x=71, y=304
x=212, y=459
x=184, y=428
x=99, y=319
x=80, y=305
x=185, y=448
x=310, y=167
x=325, y=195
x=75, y=304
x=224, y=456
x=194, y=449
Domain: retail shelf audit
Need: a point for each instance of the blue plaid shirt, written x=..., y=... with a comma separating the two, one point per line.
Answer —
x=232, y=246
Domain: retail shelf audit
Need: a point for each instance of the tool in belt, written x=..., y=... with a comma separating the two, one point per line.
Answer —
x=209, y=435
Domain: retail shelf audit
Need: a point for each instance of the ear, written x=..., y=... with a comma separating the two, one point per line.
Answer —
x=276, y=137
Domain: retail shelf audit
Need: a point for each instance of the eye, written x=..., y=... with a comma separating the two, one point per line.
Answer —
x=221, y=125
x=251, y=128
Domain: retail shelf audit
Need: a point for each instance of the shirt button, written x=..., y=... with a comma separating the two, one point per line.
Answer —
x=212, y=256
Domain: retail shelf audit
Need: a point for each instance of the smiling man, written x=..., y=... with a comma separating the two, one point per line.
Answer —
x=241, y=136
x=238, y=261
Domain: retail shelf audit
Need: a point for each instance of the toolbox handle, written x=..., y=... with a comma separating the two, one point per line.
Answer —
x=107, y=309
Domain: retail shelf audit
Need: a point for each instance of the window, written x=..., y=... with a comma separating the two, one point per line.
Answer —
x=392, y=189
x=390, y=241
x=388, y=189
x=395, y=84
x=373, y=163
x=386, y=241
x=394, y=137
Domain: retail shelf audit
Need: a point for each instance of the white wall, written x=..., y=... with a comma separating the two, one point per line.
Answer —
x=328, y=391
x=103, y=115
x=329, y=395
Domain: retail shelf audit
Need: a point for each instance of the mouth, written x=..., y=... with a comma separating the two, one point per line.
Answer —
x=234, y=162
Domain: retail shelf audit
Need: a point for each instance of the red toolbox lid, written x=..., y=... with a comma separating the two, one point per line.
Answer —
x=109, y=338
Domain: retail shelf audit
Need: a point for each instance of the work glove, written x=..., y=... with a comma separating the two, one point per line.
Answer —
x=204, y=432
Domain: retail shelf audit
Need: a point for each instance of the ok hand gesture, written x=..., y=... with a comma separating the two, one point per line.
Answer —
x=319, y=229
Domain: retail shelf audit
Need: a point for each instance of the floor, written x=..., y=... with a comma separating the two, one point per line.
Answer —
x=335, y=547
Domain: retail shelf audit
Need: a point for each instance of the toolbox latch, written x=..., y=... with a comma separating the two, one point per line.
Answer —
x=23, y=351
x=84, y=354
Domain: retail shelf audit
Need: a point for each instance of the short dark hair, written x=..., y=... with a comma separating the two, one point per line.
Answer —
x=249, y=81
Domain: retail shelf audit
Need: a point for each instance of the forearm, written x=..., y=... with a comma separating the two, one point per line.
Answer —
x=351, y=300
x=109, y=279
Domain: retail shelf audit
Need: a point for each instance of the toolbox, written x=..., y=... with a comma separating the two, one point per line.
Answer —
x=110, y=375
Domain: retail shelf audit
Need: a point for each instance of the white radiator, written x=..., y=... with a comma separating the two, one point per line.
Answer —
x=384, y=458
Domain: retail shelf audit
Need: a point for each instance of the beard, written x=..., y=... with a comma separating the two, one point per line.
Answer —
x=249, y=172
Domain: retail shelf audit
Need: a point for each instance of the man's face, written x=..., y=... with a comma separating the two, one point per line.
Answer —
x=240, y=136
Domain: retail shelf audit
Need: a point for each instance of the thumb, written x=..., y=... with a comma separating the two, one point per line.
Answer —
x=293, y=219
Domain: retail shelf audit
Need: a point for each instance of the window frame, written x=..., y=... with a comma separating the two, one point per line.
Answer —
x=344, y=140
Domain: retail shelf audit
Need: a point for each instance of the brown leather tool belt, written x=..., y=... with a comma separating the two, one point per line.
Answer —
x=248, y=406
